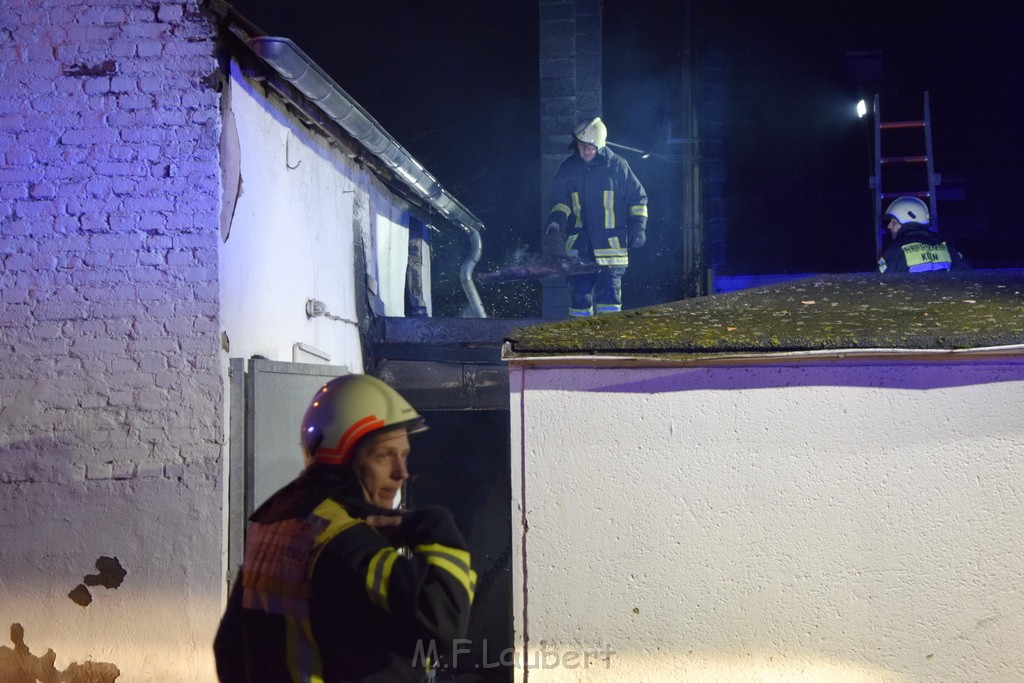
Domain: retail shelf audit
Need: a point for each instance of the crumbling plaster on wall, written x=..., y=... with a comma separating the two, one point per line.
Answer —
x=18, y=664
x=230, y=163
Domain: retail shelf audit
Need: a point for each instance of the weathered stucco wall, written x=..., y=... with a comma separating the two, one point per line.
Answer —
x=110, y=424
x=301, y=207
x=291, y=237
x=796, y=523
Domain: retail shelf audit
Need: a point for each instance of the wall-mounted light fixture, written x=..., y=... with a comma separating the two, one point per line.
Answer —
x=318, y=309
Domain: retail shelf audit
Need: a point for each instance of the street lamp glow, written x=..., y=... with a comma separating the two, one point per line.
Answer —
x=862, y=109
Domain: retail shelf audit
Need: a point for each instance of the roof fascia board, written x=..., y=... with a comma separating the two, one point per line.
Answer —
x=397, y=176
x=843, y=356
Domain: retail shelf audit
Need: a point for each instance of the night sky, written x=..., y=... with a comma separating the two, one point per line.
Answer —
x=455, y=82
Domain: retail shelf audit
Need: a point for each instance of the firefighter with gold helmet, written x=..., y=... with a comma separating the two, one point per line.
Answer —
x=600, y=206
x=324, y=592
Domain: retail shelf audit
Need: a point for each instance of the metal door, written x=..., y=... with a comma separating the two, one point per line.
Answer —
x=268, y=400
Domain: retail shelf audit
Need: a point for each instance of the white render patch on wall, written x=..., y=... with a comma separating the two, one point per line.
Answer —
x=391, y=244
x=819, y=522
x=110, y=425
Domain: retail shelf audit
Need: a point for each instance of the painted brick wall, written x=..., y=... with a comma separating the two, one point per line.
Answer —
x=110, y=374
x=570, y=89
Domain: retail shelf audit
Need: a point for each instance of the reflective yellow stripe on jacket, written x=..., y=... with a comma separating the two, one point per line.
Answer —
x=378, y=576
x=304, y=663
x=561, y=208
x=337, y=519
x=570, y=246
x=612, y=257
x=608, y=201
x=453, y=561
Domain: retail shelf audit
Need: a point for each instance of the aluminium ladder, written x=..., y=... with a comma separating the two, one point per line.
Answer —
x=926, y=187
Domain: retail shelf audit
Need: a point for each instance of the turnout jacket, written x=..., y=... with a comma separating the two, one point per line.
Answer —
x=916, y=249
x=322, y=596
x=602, y=202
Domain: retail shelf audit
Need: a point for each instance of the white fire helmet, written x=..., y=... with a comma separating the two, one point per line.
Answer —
x=592, y=131
x=908, y=210
x=348, y=408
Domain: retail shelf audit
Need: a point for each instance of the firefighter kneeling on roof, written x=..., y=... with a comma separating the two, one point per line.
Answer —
x=324, y=593
x=601, y=207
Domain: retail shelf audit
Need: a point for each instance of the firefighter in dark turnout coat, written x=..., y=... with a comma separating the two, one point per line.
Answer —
x=324, y=593
x=915, y=248
x=601, y=207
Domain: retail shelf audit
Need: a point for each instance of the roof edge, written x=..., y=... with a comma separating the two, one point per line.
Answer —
x=1014, y=351
x=284, y=57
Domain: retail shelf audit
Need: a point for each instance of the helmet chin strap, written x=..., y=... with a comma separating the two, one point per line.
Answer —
x=318, y=438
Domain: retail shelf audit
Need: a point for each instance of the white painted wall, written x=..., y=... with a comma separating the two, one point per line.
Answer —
x=775, y=523
x=293, y=236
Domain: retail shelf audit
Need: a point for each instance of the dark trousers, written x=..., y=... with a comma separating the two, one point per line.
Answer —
x=601, y=290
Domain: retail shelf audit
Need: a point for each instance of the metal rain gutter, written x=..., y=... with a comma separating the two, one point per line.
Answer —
x=301, y=71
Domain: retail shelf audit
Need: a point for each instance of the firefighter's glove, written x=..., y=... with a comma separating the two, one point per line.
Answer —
x=637, y=237
x=552, y=229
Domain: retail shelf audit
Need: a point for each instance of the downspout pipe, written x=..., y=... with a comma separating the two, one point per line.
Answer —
x=295, y=66
x=466, y=274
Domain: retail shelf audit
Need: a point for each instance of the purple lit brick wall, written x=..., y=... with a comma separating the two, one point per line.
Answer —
x=108, y=135
x=110, y=375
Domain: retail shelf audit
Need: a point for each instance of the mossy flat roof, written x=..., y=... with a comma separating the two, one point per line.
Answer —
x=928, y=311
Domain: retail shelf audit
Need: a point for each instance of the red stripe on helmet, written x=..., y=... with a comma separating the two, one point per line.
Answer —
x=339, y=454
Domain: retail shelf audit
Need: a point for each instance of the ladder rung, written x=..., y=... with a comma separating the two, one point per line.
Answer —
x=901, y=124
x=889, y=195
x=904, y=160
